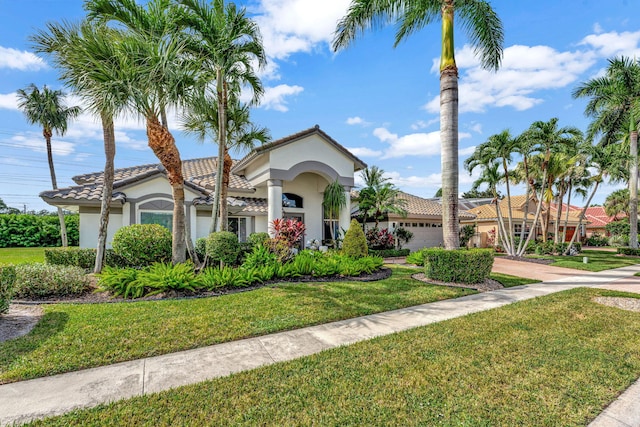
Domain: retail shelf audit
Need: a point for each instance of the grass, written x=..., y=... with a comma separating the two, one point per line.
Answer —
x=21, y=255
x=509, y=281
x=555, y=360
x=598, y=260
x=77, y=336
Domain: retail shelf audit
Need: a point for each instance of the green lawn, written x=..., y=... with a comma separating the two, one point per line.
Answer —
x=21, y=255
x=550, y=361
x=509, y=281
x=77, y=336
x=598, y=260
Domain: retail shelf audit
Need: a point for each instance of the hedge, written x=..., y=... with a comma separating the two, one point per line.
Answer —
x=458, y=266
x=24, y=230
x=629, y=251
x=389, y=253
x=7, y=280
x=82, y=257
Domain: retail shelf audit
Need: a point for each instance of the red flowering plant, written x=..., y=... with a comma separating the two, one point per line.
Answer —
x=380, y=239
x=287, y=235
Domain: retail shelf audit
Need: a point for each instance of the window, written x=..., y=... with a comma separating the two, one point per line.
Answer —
x=239, y=227
x=290, y=200
x=165, y=219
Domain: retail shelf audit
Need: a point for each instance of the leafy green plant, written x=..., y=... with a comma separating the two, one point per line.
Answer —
x=458, y=266
x=306, y=261
x=258, y=238
x=260, y=256
x=45, y=281
x=163, y=277
x=223, y=247
x=120, y=282
x=226, y=277
x=416, y=257
x=389, y=253
x=466, y=233
x=355, y=242
x=7, y=281
x=596, y=239
x=26, y=230
x=143, y=244
x=403, y=235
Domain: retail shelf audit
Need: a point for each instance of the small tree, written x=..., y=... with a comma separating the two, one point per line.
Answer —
x=403, y=235
x=223, y=246
x=333, y=201
x=355, y=243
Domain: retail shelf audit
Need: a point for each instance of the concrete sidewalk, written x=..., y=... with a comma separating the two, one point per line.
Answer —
x=27, y=400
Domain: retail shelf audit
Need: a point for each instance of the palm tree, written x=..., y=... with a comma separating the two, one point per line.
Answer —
x=159, y=76
x=526, y=146
x=333, y=201
x=47, y=109
x=226, y=43
x=89, y=63
x=484, y=30
x=617, y=203
x=614, y=106
x=201, y=119
x=379, y=197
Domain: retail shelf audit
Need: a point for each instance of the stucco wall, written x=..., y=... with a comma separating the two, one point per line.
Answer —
x=89, y=225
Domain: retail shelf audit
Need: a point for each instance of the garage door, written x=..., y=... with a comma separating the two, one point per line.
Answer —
x=425, y=235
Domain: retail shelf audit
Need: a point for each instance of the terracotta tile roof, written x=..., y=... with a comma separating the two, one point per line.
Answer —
x=199, y=174
x=294, y=137
x=488, y=212
x=249, y=204
x=426, y=207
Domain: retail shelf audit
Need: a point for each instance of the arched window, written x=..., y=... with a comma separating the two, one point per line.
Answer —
x=290, y=200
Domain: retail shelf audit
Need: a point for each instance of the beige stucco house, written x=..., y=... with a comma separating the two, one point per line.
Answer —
x=285, y=178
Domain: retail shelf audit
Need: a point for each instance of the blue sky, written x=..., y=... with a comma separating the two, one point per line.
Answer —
x=380, y=102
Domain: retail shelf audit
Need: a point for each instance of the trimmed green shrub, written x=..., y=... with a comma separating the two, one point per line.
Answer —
x=389, y=253
x=258, y=238
x=143, y=244
x=201, y=248
x=25, y=230
x=223, y=246
x=458, y=266
x=629, y=251
x=355, y=242
x=7, y=281
x=38, y=280
x=416, y=257
x=596, y=239
x=81, y=257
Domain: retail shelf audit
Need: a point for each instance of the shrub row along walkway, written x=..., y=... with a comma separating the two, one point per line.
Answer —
x=26, y=400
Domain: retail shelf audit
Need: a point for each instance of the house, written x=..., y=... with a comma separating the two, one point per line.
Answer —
x=424, y=220
x=283, y=179
x=595, y=219
x=486, y=221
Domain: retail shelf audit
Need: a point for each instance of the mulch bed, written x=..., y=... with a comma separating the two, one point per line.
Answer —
x=94, y=297
x=487, y=285
x=532, y=260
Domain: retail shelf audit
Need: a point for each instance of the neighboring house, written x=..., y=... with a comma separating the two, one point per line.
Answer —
x=595, y=220
x=283, y=179
x=486, y=220
x=424, y=220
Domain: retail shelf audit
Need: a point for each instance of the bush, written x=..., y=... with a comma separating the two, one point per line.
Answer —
x=82, y=257
x=223, y=246
x=466, y=233
x=629, y=251
x=34, y=281
x=7, y=281
x=120, y=282
x=355, y=243
x=201, y=248
x=403, y=235
x=288, y=231
x=379, y=239
x=258, y=238
x=143, y=244
x=618, y=241
x=416, y=257
x=259, y=257
x=162, y=277
x=25, y=230
x=596, y=239
x=389, y=253
x=458, y=266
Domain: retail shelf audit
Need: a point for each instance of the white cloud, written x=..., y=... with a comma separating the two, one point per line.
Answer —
x=614, y=43
x=597, y=28
x=476, y=127
x=357, y=121
x=421, y=124
x=467, y=151
x=524, y=70
x=415, y=144
x=274, y=97
x=20, y=60
x=427, y=185
x=35, y=142
x=9, y=101
x=290, y=26
x=364, y=152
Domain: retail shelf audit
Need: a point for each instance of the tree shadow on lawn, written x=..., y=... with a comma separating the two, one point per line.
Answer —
x=49, y=325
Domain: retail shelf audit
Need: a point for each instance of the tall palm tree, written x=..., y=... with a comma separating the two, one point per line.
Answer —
x=379, y=196
x=614, y=105
x=201, y=119
x=90, y=63
x=525, y=146
x=160, y=75
x=226, y=43
x=47, y=109
x=617, y=203
x=485, y=33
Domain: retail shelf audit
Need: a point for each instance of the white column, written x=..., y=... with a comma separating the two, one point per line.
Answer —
x=345, y=213
x=274, y=200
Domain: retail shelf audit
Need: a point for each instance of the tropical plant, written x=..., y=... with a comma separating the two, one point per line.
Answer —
x=143, y=244
x=7, y=281
x=355, y=242
x=485, y=33
x=160, y=74
x=89, y=62
x=288, y=231
x=614, y=106
x=223, y=247
x=403, y=236
x=379, y=239
x=334, y=201
x=47, y=109
x=617, y=203
x=379, y=197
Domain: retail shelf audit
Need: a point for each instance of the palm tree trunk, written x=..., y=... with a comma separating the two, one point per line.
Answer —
x=107, y=188
x=164, y=146
x=510, y=217
x=566, y=217
x=536, y=217
x=633, y=189
x=224, y=213
x=582, y=214
x=556, y=225
x=502, y=232
x=526, y=211
x=222, y=143
x=54, y=183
